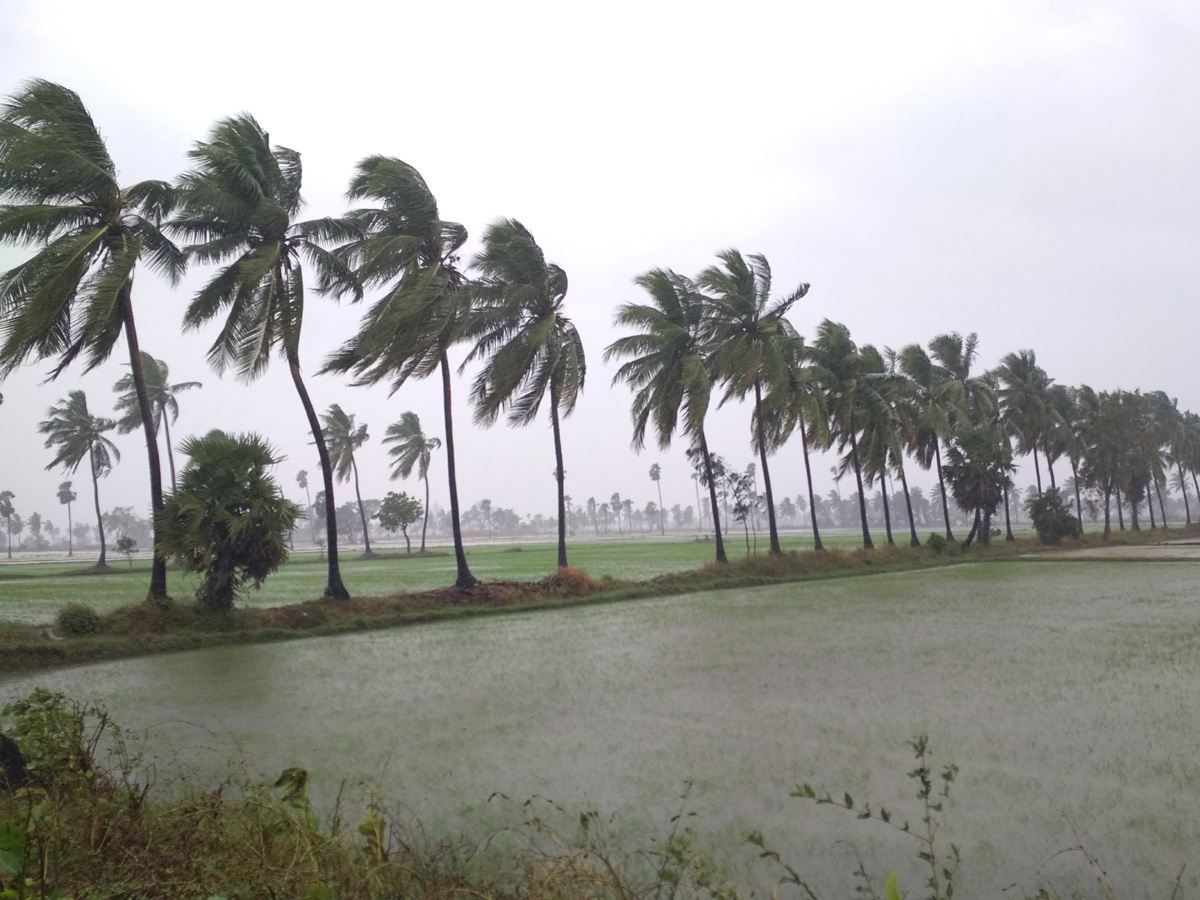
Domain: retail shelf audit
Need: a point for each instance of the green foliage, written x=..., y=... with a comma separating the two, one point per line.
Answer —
x=77, y=620
x=936, y=542
x=397, y=512
x=1052, y=518
x=127, y=546
x=228, y=519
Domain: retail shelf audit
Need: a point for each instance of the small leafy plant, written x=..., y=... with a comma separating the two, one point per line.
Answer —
x=77, y=620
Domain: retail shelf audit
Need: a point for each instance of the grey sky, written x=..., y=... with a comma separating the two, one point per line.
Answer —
x=1027, y=171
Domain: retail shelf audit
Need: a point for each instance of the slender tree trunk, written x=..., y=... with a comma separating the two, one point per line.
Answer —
x=1107, y=512
x=1197, y=486
x=862, y=500
x=937, y=455
x=1120, y=512
x=712, y=497
x=913, y=540
x=170, y=453
x=70, y=541
x=1150, y=507
x=887, y=511
x=1008, y=535
x=662, y=513
x=425, y=523
x=1161, y=508
x=100, y=563
x=465, y=579
x=985, y=529
x=9, y=518
x=1050, y=469
x=158, y=565
x=560, y=477
x=766, y=473
x=812, y=506
x=1187, y=507
x=1037, y=470
x=974, y=531
x=334, y=588
x=407, y=542
x=1134, y=525
x=1078, y=503
x=312, y=528
x=362, y=514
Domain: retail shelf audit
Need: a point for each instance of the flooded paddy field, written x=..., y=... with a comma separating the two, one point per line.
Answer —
x=1066, y=692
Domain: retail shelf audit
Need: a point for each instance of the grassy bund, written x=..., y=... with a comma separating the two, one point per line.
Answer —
x=663, y=731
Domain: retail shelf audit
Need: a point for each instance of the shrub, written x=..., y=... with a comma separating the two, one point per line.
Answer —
x=77, y=620
x=1052, y=517
x=936, y=542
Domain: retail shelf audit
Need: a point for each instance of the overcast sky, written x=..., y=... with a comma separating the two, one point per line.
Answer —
x=1027, y=171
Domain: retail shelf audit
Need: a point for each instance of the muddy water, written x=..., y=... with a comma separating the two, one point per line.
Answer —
x=1064, y=691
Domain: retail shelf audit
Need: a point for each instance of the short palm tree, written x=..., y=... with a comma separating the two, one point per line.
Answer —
x=747, y=335
x=343, y=437
x=66, y=497
x=528, y=346
x=413, y=448
x=74, y=296
x=407, y=249
x=75, y=434
x=238, y=208
x=163, y=405
x=666, y=369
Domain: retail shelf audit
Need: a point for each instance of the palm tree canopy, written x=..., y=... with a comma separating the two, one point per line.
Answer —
x=343, y=438
x=528, y=344
x=162, y=395
x=59, y=190
x=237, y=209
x=664, y=365
x=401, y=243
x=413, y=447
x=745, y=329
x=797, y=400
x=73, y=431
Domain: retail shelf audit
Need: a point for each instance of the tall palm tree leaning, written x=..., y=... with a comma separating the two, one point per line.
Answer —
x=77, y=435
x=163, y=405
x=413, y=448
x=527, y=345
x=426, y=306
x=237, y=208
x=666, y=369
x=59, y=191
x=343, y=438
x=749, y=341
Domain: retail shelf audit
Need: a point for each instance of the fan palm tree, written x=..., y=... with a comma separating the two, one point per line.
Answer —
x=342, y=438
x=528, y=346
x=666, y=369
x=59, y=191
x=76, y=434
x=413, y=448
x=238, y=209
x=163, y=405
x=426, y=306
x=748, y=336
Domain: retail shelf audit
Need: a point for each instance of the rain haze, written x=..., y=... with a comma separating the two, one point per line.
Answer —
x=1026, y=171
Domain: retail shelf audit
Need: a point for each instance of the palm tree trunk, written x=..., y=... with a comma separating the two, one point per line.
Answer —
x=937, y=455
x=1078, y=504
x=465, y=579
x=99, y=518
x=1008, y=535
x=70, y=537
x=1187, y=507
x=362, y=515
x=766, y=473
x=425, y=522
x=974, y=531
x=712, y=497
x=1120, y=512
x=158, y=565
x=862, y=500
x=1150, y=507
x=1107, y=512
x=312, y=528
x=1162, y=509
x=559, y=476
x=887, y=511
x=9, y=518
x=1050, y=469
x=812, y=506
x=662, y=514
x=170, y=453
x=334, y=589
x=1037, y=470
x=913, y=540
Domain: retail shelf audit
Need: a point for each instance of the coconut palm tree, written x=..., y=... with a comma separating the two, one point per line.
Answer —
x=238, y=209
x=302, y=480
x=75, y=434
x=1024, y=397
x=748, y=334
x=74, y=297
x=163, y=405
x=413, y=448
x=665, y=367
x=656, y=477
x=66, y=497
x=528, y=346
x=343, y=437
x=7, y=510
x=407, y=249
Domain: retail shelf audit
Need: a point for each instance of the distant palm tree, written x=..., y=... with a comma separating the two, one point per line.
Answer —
x=413, y=448
x=528, y=346
x=747, y=334
x=163, y=405
x=656, y=477
x=7, y=510
x=425, y=309
x=66, y=497
x=238, y=208
x=665, y=367
x=59, y=190
x=76, y=434
x=302, y=480
x=343, y=438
